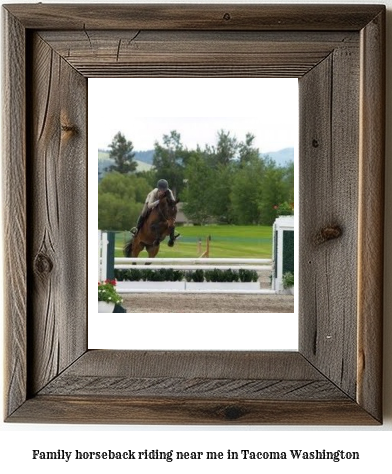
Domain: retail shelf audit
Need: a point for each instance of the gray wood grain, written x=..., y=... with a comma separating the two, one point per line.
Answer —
x=193, y=17
x=208, y=364
x=127, y=53
x=206, y=374
x=329, y=167
x=14, y=211
x=204, y=388
x=103, y=409
x=371, y=216
x=57, y=212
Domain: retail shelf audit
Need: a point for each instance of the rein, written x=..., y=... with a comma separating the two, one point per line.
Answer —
x=162, y=214
x=166, y=218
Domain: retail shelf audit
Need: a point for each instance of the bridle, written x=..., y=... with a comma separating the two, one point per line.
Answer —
x=163, y=216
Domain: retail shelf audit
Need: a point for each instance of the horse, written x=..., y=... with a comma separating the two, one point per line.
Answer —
x=157, y=225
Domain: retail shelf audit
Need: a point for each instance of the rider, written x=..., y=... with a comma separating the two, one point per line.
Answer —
x=152, y=200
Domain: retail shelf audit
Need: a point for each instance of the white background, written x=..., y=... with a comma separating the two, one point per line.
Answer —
x=144, y=109
x=374, y=444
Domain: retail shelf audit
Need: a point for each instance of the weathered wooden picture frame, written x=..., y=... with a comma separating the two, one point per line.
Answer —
x=337, y=52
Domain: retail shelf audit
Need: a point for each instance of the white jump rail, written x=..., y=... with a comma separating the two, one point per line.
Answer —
x=257, y=264
x=124, y=260
x=197, y=267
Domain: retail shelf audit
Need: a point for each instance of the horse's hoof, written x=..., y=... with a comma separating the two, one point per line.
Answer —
x=170, y=243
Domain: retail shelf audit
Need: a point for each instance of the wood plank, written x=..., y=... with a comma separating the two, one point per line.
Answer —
x=328, y=217
x=188, y=387
x=121, y=44
x=57, y=214
x=192, y=71
x=278, y=59
x=195, y=17
x=14, y=212
x=205, y=364
x=187, y=374
x=98, y=54
x=61, y=40
x=344, y=213
x=118, y=410
x=371, y=216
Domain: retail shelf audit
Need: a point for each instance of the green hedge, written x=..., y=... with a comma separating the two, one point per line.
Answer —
x=171, y=274
x=163, y=274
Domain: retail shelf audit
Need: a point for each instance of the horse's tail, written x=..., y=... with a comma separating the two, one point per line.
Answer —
x=128, y=249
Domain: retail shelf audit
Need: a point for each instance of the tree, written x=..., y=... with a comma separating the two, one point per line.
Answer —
x=276, y=189
x=246, y=151
x=169, y=161
x=289, y=181
x=115, y=213
x=225, y=150
x=120, y=200
x=199, y=191
x=220, y=205
x=121, y=151
x=247, y=191
x=150, y=176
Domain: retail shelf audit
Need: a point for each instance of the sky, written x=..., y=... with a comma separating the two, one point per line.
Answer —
x=144, y=109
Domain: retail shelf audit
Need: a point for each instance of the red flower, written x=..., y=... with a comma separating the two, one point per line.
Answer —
x=111, y=282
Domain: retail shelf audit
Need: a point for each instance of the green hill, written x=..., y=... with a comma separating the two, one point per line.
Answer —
x=281, y=157
x=104, y=161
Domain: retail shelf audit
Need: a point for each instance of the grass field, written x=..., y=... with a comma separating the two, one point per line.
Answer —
x=226, y=242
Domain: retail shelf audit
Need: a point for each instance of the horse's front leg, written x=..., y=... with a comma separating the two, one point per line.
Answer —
x=156, y=231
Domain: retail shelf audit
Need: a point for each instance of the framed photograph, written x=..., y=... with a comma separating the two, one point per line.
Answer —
x=229, y=163
x=337, y=52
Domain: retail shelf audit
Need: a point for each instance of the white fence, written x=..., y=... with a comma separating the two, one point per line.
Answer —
x=281, y=225
x=200, y=263
x=257, y=264
x=102, y=255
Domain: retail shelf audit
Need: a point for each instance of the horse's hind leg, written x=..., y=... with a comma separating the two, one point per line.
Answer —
x=137, y=247
x=152, y=250
x=127, y=250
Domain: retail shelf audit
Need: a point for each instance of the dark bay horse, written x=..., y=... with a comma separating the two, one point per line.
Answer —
x=156, y=227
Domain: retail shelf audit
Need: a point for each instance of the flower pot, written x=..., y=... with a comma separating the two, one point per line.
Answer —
x=104, y=307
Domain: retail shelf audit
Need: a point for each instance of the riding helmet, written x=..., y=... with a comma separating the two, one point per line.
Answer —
x=162, y=185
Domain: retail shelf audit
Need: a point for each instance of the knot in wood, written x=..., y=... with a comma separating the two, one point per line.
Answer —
x=69, y=128
x=330, y=232
x=232, y=412
x=43, y=264
x=227, y=16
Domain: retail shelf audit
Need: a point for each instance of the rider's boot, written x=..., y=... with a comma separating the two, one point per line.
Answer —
x=136, y=229
x=172, y=237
